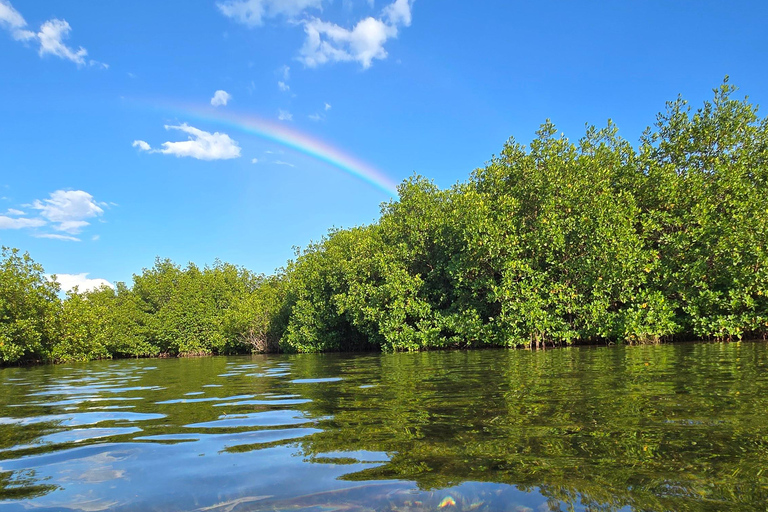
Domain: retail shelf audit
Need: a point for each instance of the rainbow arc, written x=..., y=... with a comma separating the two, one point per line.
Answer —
x=297, y=141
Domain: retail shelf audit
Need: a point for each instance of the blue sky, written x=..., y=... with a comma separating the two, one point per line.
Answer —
x=116, y=146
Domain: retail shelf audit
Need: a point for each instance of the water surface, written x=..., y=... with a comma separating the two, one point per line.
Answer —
x=674, y=427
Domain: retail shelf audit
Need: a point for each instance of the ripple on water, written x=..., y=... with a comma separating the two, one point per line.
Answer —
x=82, y=418
x=314, y=381
x=279, y=402
x=255, y=420
x=83, y=434
x=206, y=399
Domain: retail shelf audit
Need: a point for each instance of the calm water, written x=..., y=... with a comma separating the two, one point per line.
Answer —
x=677, y=427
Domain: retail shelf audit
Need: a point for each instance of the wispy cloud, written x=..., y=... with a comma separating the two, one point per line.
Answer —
x=67, y=210
x=49, y=38
x=253, y=12
x=19, y=223
x=54, y=236
x=201, y=145
x=52, y=34
x=284, y=115
x=283, y=86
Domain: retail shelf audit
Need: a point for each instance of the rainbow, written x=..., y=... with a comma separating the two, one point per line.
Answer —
x=295, y=140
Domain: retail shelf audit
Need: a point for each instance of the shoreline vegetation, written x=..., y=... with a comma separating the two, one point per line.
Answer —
x=553, y=243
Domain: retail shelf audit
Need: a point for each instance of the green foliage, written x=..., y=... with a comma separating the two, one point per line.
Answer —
x=28, y=309
x=560, y=242
x=556, y=242
x=257, y=320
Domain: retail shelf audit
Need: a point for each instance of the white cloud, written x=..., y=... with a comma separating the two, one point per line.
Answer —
x=142, y=145
x=68, y=209
x=201, y=145
x=81, y=281
x=253, y=12
x=285, y=72
x=220, y=98
x=315, y=117
x=284, y=115
x=50, y=37
x=327, y=107
x=65, y=238
x=19, y=222
x=254, y=160
x=14, y=212
x=398, y=13
x=52, y=34
x=14, y=22
x=284, y=86
x=327, y=42
x=280, y=162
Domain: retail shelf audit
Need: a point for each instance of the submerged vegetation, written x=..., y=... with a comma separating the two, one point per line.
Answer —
x=555, y=242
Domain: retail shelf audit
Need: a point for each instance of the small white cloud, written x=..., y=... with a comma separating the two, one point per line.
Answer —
x=327, y=107
x=142, y=145
x=52, y=34
x=283, y=86
x=68, y=209
x=19, y=222
x=100, y=65
x=220, y=98
x=69, y=281
x=398, y=13
x=14, y=212
x=254, y=160
x=280, y=162
x=315, y=117
x=285, y=72
x=284, y=115
x=95, y=237
x=201, y=145
x=253, y=12
x=53, y=236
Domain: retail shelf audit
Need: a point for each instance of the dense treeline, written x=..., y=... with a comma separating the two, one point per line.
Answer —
x=554, y=242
